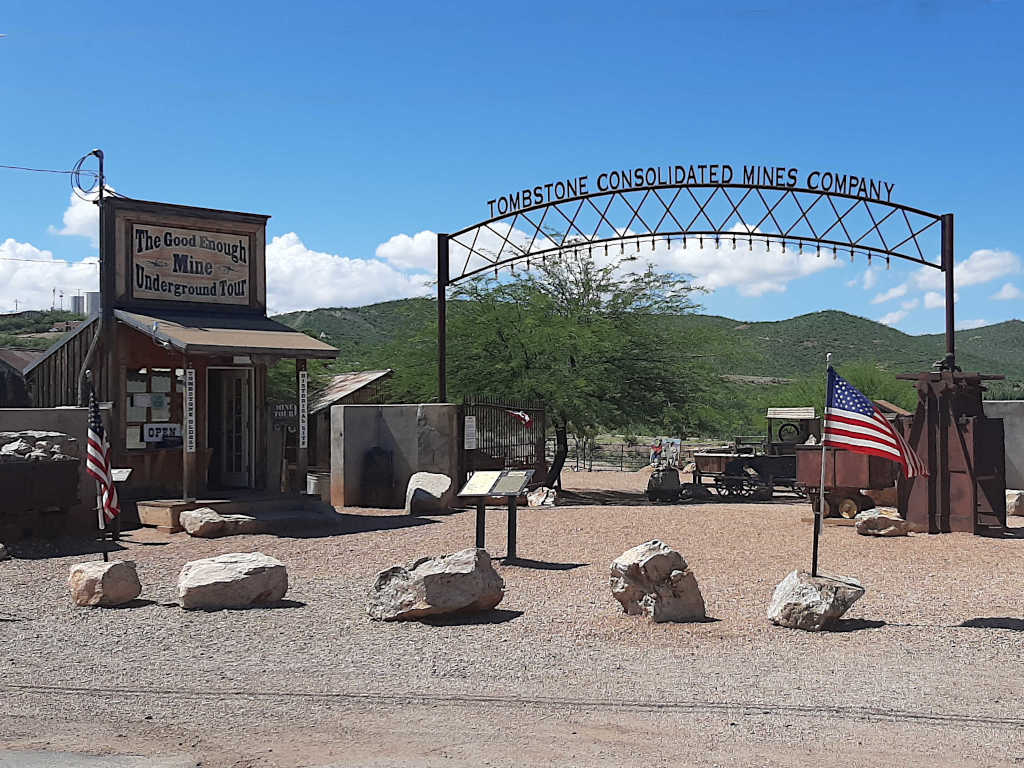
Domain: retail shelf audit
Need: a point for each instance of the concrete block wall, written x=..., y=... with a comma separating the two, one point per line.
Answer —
x=420, y=437
x=70, y=421
x=1012, y=414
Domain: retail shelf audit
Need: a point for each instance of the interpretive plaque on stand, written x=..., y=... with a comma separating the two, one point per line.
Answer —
x=504, y=482
x=509, y=483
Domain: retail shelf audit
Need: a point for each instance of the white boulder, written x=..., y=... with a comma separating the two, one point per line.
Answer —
x=235, y=580
x=802, y=601
x=463, y=582
x=1015, y=503
x=429, y=492
x=206, y=523
x=653, y=580
x=4, y=554
x=542, y=497
x=100, y=583
x=881, y=521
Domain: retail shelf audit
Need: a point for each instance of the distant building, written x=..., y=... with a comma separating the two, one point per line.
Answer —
x=13, y=362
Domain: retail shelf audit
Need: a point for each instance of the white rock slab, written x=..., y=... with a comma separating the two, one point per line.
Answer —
x=235, y=580
x=98, y=583
x=813, y=603
x=1015, y=503
x=429, y=492
x=653, y=580
x=463, y=582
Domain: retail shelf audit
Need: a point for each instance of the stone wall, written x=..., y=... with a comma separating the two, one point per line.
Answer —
x=70, y=421
x=419, y=438
x=1012, y=414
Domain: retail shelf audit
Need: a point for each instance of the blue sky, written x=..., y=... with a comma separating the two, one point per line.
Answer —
x=354, y=124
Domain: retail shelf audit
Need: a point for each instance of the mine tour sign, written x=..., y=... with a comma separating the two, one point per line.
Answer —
x=707, y=174
x=189, y=265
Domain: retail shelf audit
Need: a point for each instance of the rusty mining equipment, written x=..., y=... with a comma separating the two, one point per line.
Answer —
x=755, y=466
x=965, y=489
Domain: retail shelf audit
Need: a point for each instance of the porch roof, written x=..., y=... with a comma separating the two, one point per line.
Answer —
x=208, y=333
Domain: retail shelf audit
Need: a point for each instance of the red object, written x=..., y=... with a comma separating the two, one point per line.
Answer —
x=523, y=417
x=853, y=422
x=97, y=462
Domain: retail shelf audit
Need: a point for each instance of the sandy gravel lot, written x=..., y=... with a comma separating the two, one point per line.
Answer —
x=928, y=668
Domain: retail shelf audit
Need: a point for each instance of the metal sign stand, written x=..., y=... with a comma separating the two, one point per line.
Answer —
x=508, y=483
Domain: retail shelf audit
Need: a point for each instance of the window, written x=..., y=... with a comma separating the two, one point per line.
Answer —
x=153, y=407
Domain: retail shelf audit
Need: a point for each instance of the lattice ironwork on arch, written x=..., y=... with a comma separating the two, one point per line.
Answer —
x=698, y=216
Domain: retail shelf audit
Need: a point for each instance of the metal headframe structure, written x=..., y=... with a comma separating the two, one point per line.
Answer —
x=701, y=216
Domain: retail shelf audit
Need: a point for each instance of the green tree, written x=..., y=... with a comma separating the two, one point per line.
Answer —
x=578, y=336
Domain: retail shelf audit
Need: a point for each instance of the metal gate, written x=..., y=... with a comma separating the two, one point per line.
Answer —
x=502, y=434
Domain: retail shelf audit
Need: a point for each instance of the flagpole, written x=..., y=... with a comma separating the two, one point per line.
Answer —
x=819, y=514
x=103, y=527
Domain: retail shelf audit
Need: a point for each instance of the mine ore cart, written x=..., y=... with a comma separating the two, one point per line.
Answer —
x=847, y=475
x=755, y=466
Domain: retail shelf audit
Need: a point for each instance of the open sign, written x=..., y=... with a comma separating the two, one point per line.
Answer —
x=158, y=433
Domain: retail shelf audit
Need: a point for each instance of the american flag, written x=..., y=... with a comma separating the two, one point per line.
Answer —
x=523, y=417
x=853, y=422
x=97, y=462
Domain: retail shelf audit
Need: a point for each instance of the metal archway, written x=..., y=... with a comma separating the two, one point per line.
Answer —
x=728, y=214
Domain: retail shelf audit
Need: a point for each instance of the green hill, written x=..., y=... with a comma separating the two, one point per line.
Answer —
x=781, y=349
x=750, y=365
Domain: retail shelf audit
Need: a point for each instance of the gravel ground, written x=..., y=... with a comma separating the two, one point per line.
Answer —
x=928, y=668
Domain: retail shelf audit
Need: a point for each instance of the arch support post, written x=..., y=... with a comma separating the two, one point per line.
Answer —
x=947, y=268
x=442, y=318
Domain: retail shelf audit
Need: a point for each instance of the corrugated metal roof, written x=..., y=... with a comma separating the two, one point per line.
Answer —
x=209, y=333
x=791, y=413
x=21, y=358
x=345, y=384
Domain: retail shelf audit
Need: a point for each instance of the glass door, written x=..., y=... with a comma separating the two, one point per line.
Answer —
x=235, y=408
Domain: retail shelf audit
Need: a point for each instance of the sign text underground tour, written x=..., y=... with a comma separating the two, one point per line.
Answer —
x=713, y=174
x=189, y=265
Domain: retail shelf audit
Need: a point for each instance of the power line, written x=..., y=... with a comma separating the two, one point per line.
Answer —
x=46, y=170
x=48, y=261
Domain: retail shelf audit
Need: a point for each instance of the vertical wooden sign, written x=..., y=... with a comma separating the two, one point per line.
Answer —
x=190, y=410
x=303, y=408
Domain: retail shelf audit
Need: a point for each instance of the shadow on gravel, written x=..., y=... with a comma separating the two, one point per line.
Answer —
x=589, y=497
x=136, y=603
x=263, y=607
x=497, y=616
x=343, y=523
x=995, y=622
x=36, y=549
x=540, y=565
x=855, y=625
x=1001, y=533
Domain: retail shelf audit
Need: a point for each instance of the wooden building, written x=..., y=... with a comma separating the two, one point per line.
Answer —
x=13, y=362
x=351, y=388
x=183, y=348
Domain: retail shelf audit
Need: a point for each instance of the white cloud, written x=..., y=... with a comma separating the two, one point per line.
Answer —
x=418, y=252
x=753, y=270
x=29, y=276
x=870, y=278
x=81, y=218
x=301, y=278
x=893, y=317
x=908, y=305
x=966, y=325
x=892, y=293
x=980, y=267
x=936, y=300
x=1007, y=292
